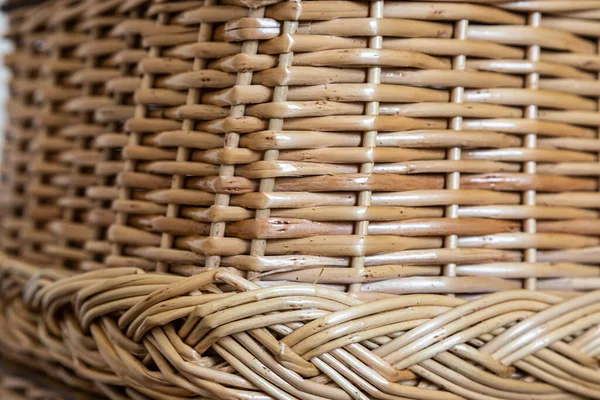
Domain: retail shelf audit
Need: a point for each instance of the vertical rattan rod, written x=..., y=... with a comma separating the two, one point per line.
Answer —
x=454, y=154
x=135, y=139
x=205, y=33
x=232, y=140
x=369, y=139
x=529, y=167
x=258, y=246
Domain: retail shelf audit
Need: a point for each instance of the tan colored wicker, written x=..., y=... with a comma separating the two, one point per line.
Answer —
x=154, y=113
x=319, y=200
x=15, y=139
x=25, y=28
x=46, y=171
x=101, y=109
x=119, y=76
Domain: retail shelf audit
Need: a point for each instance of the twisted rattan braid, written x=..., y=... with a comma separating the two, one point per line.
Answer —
x=305, y=341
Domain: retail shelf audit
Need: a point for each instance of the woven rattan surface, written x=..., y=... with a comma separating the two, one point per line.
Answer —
x=24, y=63
x=306, y=199
x=291, y=132
x=48, y=175
x=106, y=86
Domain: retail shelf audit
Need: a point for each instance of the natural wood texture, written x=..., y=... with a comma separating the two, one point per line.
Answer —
x=82, y=218
x=312, y=199
x=26, y=26
x=169, y=336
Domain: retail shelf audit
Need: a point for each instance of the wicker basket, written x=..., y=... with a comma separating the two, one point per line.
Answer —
x=270, y=199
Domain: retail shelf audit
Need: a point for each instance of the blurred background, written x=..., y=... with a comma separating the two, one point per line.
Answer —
x=4, y=76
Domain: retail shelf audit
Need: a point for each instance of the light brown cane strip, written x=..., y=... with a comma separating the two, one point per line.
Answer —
x=258, y=246
x=232, y=139
x=453, y=179
x=204, y=35
x=369, y=139
x=531, y=82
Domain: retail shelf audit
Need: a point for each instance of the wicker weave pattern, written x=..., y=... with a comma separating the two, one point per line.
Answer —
x=25, y=29
x=87, y=82
x=412, y=153
x=302, y=182
x=48, y=173
x=303, y=341
x=107, y=83
x=17, y=135
x=119, y=77
x=154, y=113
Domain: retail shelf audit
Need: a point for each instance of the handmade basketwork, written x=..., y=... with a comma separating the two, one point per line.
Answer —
x=270, y=199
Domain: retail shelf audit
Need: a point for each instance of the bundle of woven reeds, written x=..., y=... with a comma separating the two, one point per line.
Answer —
x=321, y=199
